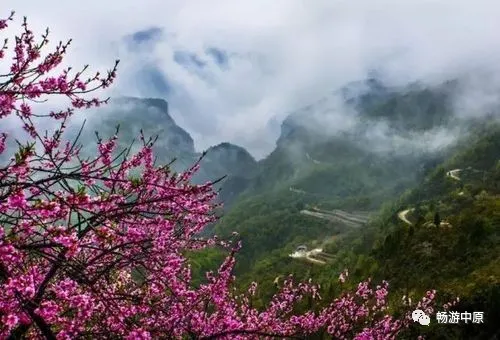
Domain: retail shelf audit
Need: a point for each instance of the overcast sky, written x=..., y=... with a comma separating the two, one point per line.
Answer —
x=231, y=70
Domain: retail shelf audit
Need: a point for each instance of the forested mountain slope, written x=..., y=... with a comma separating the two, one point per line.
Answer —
x=173, y=144
x=340, y=170
x=452, y=240
x=377, y=195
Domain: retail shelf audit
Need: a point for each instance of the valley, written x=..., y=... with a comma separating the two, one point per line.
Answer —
x=355, y=206
x=250, y=170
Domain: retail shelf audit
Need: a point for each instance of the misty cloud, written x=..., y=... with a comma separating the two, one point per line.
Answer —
x=219, y=56
x=253, y=62
x=147, y=36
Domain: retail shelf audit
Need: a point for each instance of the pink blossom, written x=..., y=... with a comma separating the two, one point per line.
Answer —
x=11, y=320
x=17, y=200
x=94, y=252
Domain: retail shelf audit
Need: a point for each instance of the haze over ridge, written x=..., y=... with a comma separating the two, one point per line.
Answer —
x=233, y=71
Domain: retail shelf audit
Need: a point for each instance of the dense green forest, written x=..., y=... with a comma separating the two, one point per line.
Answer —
x=366, y=185
x=430, y=216
x=451, y=243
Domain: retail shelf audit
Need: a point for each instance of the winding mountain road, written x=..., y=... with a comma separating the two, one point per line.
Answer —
x=357, y=218
x=298, y=191
x=316, y=256
x=351, y=219
x=454, y=174
x=402, y=215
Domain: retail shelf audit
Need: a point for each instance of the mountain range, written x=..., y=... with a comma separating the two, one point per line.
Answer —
x=363, y=173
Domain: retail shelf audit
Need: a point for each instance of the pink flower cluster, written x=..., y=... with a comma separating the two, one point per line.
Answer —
x=96, y=247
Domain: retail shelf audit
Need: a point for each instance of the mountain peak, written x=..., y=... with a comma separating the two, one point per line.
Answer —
x=230, y=159
x=152, y=116
x=226, y=146
x=156, y=103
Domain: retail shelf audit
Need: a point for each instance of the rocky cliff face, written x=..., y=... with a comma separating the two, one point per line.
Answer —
x=309, y=140
x=233, y=161
x=151, y=115
x=230, y=159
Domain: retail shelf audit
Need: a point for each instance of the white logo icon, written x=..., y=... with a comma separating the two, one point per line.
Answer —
x=420, y=317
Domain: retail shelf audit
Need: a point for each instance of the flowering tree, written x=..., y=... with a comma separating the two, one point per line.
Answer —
x=95, y=247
